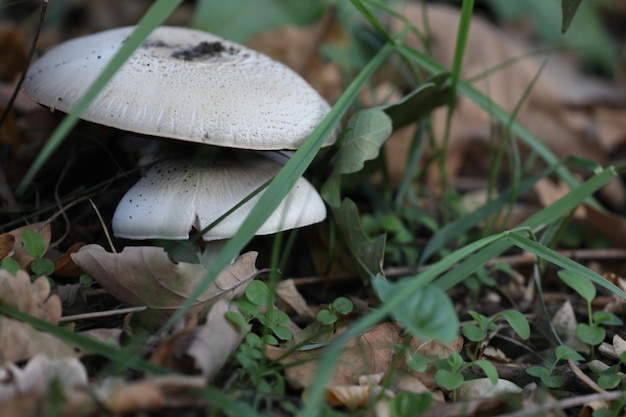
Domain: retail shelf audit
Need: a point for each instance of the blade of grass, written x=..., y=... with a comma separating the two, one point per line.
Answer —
x=556, y=258
x=498, y=113
x=156, y=15
x=461, y=225
x=546, y=216
x=481, y=251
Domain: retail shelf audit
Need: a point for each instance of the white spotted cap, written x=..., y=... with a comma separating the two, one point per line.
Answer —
x=183, y=84
x=176, y=195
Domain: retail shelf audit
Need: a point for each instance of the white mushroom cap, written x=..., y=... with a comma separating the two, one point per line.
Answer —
x=183, y=84
x=174, y=196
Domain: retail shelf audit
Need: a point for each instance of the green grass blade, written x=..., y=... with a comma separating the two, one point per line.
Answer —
x=545, y=216
x=497, y=112
x=153, y=18
x=554, y=257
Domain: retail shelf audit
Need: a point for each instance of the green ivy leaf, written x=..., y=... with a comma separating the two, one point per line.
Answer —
x=366, y=133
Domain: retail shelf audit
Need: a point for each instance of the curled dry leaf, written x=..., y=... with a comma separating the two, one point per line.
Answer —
x=203, y=348
x=214, y=342
x=561, y=107
x=38, y=373
x=32, y=298
x=146, y=276
x=150, y=394
x=20, y=342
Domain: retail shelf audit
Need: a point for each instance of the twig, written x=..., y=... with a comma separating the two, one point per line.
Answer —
x=566, y=403
x=98, y=314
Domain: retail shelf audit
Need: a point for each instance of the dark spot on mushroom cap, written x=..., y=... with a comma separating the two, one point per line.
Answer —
x=204, y=50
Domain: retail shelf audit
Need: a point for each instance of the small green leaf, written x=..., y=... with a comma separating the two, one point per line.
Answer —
x=581, y=285
x=608, y=378
x=448, y=380
x=366, y=133
x=428, y=314
x=236, y=319
x=367, y=252
x=409, y=404
x=537, y=371
x=553, y=381
x=518, y=323
x=34, y=243
x=591, y=335
x=258, y=293
x=343, y=305
x=42, y=267
x=325, y=317
x=10, y=265
x=417, y=362
x=282, y=332
x=474, y=333
x=564, y=353
x=433, y=93
x=489, y=370
x=606, y=318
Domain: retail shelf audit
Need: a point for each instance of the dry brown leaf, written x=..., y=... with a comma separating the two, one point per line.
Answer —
x=20, y=342
x=547, y=111
x=215, y=341
x=370, y=353
x=64, y=266
x=287, y=292
x=38, y=373
x=349, y=396
x=150, y=394
x=32, y=298
x=549, y=192
x=12, y=53
x=145, y=275
x=484, y=388
x=7, y=245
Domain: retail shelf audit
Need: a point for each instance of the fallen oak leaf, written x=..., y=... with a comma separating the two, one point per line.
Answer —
x=146, y=276
x=214, y=342
x=20, y=342
x=32, y=298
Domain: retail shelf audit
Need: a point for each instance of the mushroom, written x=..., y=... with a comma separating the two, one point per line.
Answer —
x=176, y=196
x=183, y=84
x=190, y=85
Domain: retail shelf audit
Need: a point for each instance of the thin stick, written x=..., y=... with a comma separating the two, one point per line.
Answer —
x=99, y=314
